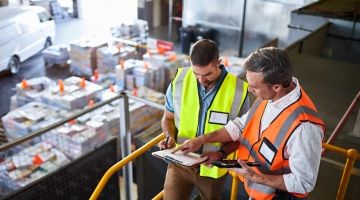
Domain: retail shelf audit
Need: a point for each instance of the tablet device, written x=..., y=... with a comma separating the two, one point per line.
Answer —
x=232, y=164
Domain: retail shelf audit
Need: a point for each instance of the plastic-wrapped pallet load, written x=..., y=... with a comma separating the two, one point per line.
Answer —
x=29, y=165
x=235, y=65
x=105, y=80
x=123, y=72
x=109, y=57
x=75, y=139
x=57, y=54
x=151, y=95
x=137, y=31
x=83, y=55
x=168, y=60
x=30, y=90
x=29, y=118
x=76, y=94
x=142, y=116
x=138, y=73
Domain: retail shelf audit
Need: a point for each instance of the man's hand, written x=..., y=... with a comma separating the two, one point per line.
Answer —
x=192, y=145
x=247, y=172
x=170, y=144
x=275, y=181
x=211, y=157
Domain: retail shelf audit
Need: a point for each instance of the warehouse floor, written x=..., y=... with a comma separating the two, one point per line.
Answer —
x=331, y=84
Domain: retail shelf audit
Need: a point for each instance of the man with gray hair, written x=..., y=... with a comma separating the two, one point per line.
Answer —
x=282, y=131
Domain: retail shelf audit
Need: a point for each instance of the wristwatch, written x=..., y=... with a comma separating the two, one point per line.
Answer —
x=223, y=152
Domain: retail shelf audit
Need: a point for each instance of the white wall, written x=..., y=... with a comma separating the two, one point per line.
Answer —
x=108, y=11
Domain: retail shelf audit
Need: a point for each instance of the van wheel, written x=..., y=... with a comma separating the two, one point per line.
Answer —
x=14, y=65
x=47, y=43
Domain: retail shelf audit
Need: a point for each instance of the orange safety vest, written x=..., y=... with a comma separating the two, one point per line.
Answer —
x=268, y=147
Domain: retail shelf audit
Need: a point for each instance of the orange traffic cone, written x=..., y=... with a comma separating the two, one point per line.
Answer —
x=121, y=62
x=83, y=83
x=96, y=75
x=72, y=122
x=24, y=84
x=61, y=87
x=173, y=57
x=161, y=50
x=135, y=92
x=111, y=88
x=37, y=160
x=91, y=103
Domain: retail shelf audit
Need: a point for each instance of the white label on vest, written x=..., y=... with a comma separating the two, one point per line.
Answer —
x=218, y=117
x=267, y=152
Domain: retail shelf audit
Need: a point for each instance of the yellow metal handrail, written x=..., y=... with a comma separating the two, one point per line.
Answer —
x=159, y=196
x=116, y=167
x=351, y=154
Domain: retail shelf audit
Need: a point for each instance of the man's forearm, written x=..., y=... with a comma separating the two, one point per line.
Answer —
x=230, y=147
x=275, y=181
x=220, y=135
x=168, y=125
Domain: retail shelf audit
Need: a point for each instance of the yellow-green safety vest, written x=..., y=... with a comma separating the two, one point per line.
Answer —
x=225, y=106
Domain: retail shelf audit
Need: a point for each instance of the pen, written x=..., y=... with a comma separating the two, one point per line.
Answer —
x=176, y=149
x=167, y=139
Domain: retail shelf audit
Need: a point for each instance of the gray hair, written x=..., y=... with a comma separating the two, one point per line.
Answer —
x=274, y=63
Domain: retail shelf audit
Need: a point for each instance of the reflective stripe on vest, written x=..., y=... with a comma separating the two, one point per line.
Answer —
x=260, y=187
x=178, y=83
x=278, y=133
x=187, y=110
x=290, y=120
x=239, y=98
x=253, y=108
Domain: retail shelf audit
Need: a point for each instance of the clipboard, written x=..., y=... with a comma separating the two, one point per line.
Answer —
x=187, y=160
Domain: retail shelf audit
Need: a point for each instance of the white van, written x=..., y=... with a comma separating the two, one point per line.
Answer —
x=24, y=31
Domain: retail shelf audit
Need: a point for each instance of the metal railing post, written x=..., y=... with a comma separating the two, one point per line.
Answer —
x=352, y=155
x=343, y=120
x=125, y=141
x=234, y=186
x=171, y=5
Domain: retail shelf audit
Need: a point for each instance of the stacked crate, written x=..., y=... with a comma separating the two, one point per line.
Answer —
x=137, y=31
x=30, y=90
x=56, y=55
x=28, y=165
x=168, y=60
x=138, y=73
x=76, y=94
x=83, y=55
x=29, y=118
x=109, y=57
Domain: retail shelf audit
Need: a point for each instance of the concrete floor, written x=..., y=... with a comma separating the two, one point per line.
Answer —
x=331, y=84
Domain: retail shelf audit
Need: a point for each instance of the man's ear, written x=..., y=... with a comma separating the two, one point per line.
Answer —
x=219, y=62
x=277, y=87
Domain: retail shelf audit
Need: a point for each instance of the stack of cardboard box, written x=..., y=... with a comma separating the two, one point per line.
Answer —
x=29, y=165
x=168, y=60
x=83, y=55
x=29, y=118
x=109, y=57
x=76, y=94
x=30, y=90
